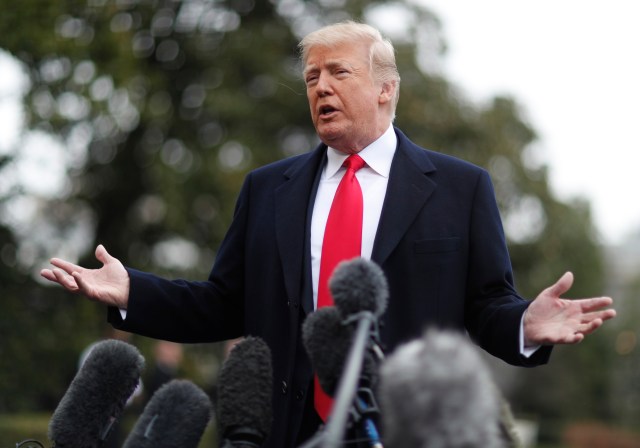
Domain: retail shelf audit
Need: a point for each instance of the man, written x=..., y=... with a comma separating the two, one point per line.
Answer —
x=429, y=220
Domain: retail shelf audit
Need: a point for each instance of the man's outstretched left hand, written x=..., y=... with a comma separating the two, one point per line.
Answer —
x=551, y=319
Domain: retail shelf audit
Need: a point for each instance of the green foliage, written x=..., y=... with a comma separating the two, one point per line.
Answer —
x=15, y=429
x=46, y=332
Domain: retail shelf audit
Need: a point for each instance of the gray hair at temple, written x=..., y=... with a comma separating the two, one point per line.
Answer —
x=382, y=54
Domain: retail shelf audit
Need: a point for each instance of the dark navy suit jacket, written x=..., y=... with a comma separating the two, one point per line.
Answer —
x=440, y=243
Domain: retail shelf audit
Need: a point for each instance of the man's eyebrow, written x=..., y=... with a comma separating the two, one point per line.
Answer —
x=308, y=69
x=329, y=64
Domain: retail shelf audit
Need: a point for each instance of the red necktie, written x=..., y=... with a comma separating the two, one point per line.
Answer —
x=342, y=241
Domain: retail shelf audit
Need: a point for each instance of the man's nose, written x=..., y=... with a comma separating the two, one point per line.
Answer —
x=323, y=87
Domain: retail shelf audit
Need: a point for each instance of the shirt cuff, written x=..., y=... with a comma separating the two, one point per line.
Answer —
x=527, y=352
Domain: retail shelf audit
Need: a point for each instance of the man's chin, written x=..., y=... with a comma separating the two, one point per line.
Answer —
x=330, y=135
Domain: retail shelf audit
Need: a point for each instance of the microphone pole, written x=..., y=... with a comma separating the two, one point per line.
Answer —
x=31, y=443
x=348, y=385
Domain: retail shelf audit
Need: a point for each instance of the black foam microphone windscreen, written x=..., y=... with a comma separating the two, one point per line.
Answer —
x=436, y=391
x=359, y=285
x=327, y=342
x=97, y=395
x=244, y=401
x=176, y=416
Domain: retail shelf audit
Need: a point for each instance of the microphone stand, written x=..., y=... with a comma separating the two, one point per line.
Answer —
x=29, y=444
x=351, y=399
x=347, y=387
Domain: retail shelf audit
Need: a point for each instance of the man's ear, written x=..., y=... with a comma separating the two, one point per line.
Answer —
x=387, y=92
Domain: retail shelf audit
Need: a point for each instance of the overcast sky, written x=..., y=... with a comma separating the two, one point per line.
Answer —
x=575, y=67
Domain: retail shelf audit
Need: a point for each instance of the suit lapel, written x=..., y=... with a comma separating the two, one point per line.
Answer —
x=407, y=192
x=291, y=201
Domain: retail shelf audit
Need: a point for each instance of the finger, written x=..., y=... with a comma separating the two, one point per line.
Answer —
x=593, y=304
x=602, y=315
x=590, y=327
x=65, y=280
x=65, y=265
x=85, y=289
x=576, y=338
x=563, y=285
x=82, y=285
x=569, y=338
x=48, y=274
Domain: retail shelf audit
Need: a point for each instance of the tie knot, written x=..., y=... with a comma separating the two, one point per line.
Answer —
x=354, y=162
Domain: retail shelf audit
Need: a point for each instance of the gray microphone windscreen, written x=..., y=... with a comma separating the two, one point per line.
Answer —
x=245, y=387
x=176, y=416
x=436, y=391
x=97, y=395
x=359, y=285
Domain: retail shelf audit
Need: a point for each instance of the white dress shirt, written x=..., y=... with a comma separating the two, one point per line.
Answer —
x=373, y=179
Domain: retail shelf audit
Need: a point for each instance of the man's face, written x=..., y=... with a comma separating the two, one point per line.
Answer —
x=345, y=102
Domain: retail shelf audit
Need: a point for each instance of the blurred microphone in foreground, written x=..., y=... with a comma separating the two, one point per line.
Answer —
x=176, y=416
x=328, y=341
x=97, y=395
x=437, y=392
x=360, y=292
x=243, y=405
x=343, y=346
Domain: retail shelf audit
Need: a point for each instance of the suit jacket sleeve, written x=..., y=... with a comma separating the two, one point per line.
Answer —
x=494, y=309
x=192, y=311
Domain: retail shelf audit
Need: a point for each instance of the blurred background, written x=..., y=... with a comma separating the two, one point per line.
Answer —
x=132, y=123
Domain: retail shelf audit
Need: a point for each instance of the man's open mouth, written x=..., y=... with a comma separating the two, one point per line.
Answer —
x=326, y=111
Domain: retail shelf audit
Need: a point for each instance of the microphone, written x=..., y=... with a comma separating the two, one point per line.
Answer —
x=97, y=395
x=245, y=385
x=357, y=286
x=360, y=293
x=176, y=416
x=436, y=391
x=328, y=341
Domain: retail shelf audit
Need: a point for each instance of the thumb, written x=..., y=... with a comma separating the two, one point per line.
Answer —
x=563, y=285
x=102, y=255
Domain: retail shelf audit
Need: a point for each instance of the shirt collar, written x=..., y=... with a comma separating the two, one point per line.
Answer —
x=378, y=155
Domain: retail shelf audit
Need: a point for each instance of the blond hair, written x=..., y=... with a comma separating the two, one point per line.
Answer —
x=382, y=56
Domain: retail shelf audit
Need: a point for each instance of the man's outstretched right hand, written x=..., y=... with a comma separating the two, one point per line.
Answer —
x=108, y=284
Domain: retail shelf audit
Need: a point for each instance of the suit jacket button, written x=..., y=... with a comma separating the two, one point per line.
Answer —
x=284, y=387
x=300, y=395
